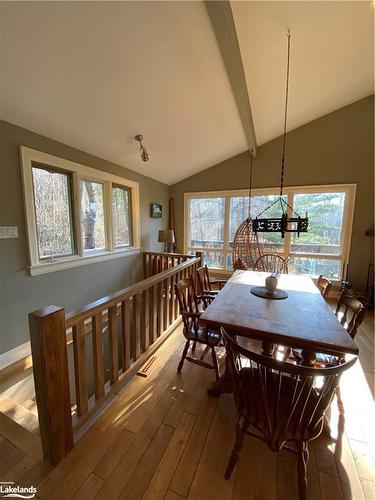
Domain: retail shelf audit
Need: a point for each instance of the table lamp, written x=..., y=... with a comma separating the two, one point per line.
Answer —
x=166, y=236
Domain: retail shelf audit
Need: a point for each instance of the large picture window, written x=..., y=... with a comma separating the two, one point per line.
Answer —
x=212, y=220
x=76, y=214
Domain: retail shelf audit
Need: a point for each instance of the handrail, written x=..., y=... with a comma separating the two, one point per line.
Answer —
x=129, y=324
x=171, y=254
x=89, y=310
x=156, y=262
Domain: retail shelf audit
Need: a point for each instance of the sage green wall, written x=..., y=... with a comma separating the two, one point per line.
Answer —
x=337, y=148
x=21, y=293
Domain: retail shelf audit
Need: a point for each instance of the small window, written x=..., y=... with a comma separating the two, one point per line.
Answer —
x=53, y=212
x=325, y=211
x=207, y=222
x=121, y=214
x=92, y=216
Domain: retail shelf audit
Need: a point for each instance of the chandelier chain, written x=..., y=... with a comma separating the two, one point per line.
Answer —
x=250, y=183
x=285, y=117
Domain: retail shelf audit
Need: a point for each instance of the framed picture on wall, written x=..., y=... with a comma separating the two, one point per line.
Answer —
x=156, y=210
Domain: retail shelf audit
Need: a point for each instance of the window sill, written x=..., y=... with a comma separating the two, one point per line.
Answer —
x=75, y=261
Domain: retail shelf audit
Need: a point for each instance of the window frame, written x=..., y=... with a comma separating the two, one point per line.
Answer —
x=348, y=214
x=78, y=172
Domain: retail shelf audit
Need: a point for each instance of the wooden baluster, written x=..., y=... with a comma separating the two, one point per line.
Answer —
x=154, y=314
x=166, y=284
x=170, y=299
x=144, y=266
x=51, y=380
x=113, y=343
x=160, y=308
x=175, y=303
x=145, y=340
x=136, y=333
x=80, y=368
x=97, y=347
x=154, y=265
x=125, y=334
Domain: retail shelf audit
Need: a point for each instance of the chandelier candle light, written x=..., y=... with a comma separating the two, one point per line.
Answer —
x=285, y=223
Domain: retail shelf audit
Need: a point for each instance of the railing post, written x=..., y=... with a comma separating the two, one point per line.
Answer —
x=200, y=256
x=51, y=378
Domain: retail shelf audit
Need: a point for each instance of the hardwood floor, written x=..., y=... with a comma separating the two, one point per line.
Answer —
x=163, y=437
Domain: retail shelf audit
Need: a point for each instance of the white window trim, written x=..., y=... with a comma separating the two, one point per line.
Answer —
x=346, y=236
x=78, y=171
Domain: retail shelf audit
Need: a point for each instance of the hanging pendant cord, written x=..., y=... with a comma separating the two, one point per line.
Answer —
x=285, y=118
x=250, y=182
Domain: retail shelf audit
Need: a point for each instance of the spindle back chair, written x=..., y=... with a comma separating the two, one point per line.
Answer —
x=189, y=304
x=271, y=263
x=280, y=401
x=353, y=312
x=324, y=286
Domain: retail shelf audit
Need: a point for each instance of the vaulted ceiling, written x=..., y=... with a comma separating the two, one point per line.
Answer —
x=94, y=74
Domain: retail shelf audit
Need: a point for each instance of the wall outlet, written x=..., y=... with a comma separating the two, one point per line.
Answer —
x=8, y=232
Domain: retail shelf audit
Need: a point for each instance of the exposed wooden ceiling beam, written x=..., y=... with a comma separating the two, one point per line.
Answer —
x=222, y=21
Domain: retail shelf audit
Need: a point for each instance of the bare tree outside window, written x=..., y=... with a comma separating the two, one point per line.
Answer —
x=92, y=215
x=121, y=217
x=52, y=197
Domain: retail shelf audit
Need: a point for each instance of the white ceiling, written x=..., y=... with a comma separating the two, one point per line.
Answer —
x=332, y=58
x=94, y=74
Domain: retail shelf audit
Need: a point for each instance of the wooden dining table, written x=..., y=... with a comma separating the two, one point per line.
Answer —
x=303, y=320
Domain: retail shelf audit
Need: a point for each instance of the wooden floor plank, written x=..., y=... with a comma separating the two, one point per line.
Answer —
x=266, y=483
x=90, y=488
x=112, y=458
x=170, y=495
x=287, y=475
x=161, y=479
x=244, y=486
x=330, y=487
x=188, y=464
x=139, y=480
x=348, y=473
x=20, y=437
x=209, y=476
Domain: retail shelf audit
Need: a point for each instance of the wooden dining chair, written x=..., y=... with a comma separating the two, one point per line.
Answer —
x=193, y=331
x=279, y=402
x=352, y=310
x=271, y=263
x=324, y=286
x=206, y=285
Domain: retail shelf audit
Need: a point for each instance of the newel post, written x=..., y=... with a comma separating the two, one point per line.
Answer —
x=200, y=256
x=51, y=378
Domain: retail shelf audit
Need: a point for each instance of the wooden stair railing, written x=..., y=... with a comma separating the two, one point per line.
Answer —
x=155, y=262
x=125, y=328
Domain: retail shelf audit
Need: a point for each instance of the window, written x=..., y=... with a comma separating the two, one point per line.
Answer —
x=53, y=212
x=121, y=216
x=212, y=220
x=75, y=214
x=92, y=216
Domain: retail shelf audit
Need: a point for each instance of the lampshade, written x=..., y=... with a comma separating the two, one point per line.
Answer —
x=166, y=236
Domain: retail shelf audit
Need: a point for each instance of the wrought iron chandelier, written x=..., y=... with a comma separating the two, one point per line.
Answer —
x=288, y=222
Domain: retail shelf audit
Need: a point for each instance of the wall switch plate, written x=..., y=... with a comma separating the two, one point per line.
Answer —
x=8, y=232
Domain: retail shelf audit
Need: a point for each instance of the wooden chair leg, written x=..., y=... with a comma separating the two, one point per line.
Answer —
x=303, y=457
x=215, y=363
x=205, y=351
x=242, y=425
x=181, y=364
